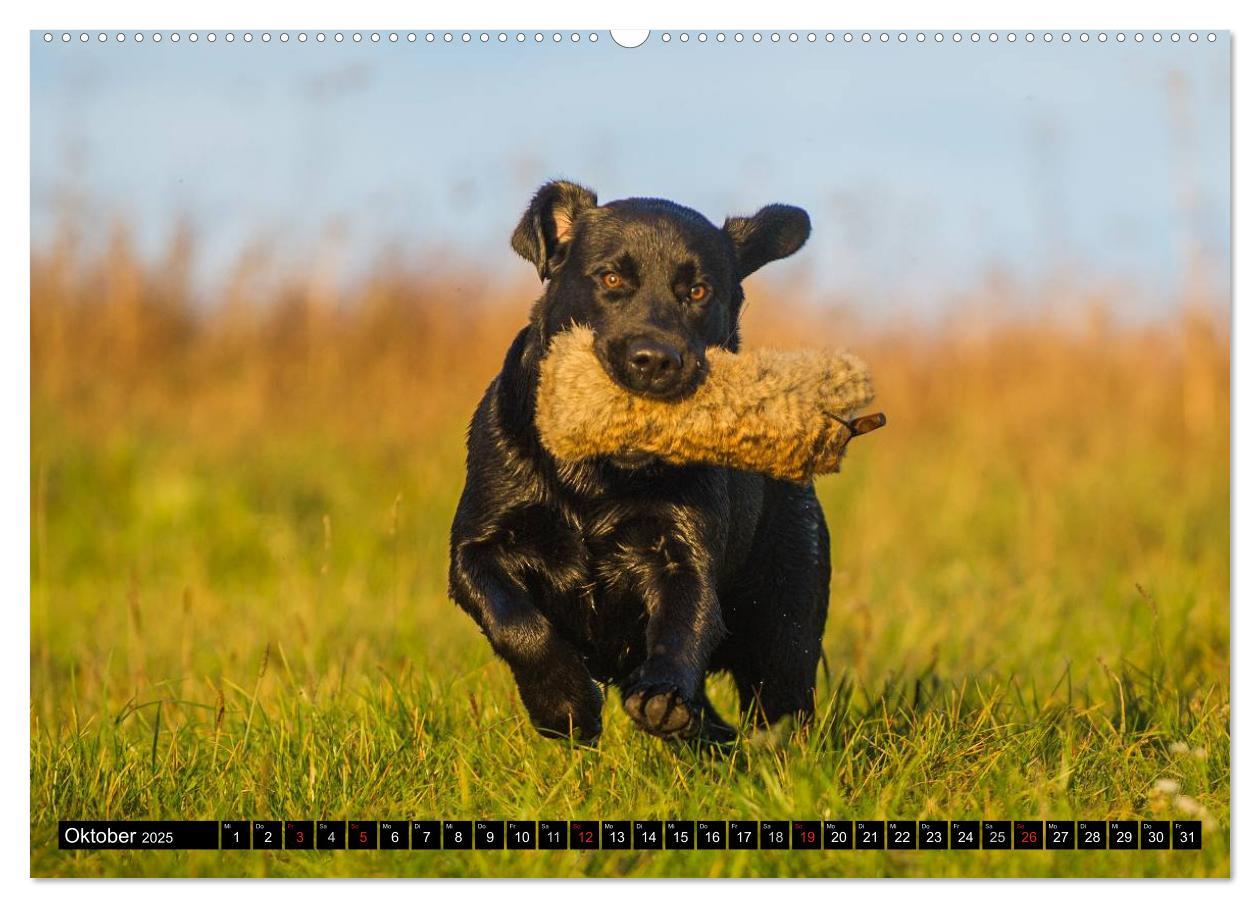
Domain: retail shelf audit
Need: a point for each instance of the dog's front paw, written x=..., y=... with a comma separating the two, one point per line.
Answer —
x=563, y=719
x=662, y=709
x=563, y=705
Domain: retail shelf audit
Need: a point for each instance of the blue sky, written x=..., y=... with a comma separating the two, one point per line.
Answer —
x=924, y=166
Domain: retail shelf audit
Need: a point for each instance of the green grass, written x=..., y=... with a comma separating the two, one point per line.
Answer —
x=260, y=630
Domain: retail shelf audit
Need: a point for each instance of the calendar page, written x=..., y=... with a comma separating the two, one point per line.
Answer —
x=781, y=452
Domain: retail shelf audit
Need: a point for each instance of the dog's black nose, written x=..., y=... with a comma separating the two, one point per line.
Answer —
x=652, y=365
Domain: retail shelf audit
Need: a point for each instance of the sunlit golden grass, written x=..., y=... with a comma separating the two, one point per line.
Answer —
x=1030, y=611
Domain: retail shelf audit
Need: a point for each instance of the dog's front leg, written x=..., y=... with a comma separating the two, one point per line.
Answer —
x=665, y=696
x=558, y=692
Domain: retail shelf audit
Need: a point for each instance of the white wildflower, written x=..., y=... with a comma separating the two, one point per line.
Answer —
x=1167, y=787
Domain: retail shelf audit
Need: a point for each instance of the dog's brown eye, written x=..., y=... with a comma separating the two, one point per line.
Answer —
x=698, y=293
x=612, y=280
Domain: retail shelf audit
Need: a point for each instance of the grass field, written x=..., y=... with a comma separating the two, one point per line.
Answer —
x=238, y=604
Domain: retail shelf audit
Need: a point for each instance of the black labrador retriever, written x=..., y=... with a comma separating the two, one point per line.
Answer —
x=628, y=570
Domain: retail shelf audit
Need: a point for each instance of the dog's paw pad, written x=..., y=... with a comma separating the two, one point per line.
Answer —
x=663, y=711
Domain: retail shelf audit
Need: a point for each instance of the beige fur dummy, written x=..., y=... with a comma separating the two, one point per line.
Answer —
x=786, y=414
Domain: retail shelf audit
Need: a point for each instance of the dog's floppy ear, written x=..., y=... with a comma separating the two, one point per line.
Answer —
x=773, y=233
x=547, y=224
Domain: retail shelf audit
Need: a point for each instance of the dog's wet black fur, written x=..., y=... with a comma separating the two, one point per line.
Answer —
x=634, y=572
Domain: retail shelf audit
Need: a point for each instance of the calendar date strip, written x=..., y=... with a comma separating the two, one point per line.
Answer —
x=632, y=835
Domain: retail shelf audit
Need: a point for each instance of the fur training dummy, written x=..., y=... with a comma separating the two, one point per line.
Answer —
x=786, y=414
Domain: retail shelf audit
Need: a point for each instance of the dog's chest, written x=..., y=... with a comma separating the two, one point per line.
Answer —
x=595, y=572
x=624, y=558
x=600, y=559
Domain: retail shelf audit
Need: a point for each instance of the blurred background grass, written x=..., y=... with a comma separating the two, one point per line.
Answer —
x=240, y=516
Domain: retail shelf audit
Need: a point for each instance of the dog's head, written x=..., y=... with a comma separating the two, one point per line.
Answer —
x=656, y=282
